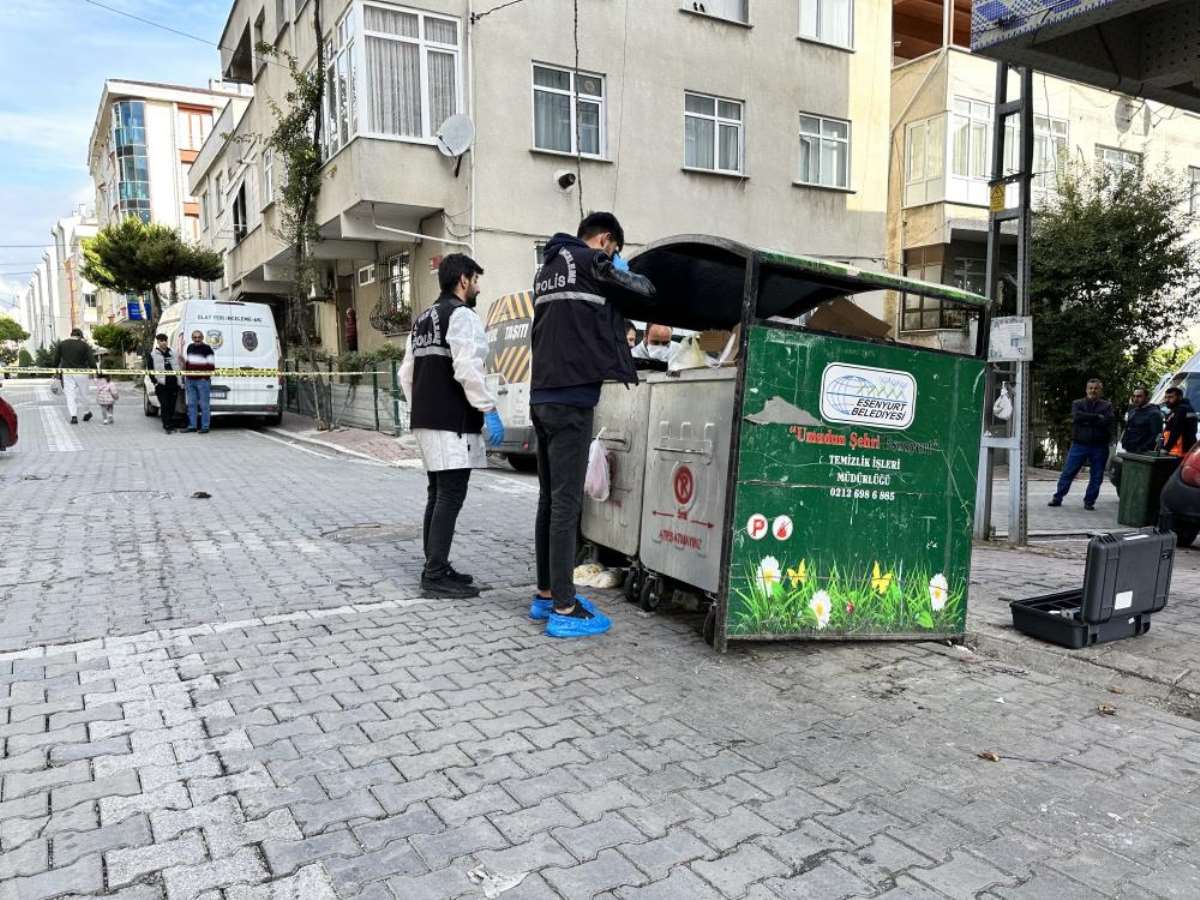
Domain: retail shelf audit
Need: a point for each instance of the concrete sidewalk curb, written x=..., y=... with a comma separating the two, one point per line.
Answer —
x=338, y=448
x=1127, y=674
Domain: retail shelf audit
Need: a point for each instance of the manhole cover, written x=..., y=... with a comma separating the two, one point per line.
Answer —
x=374, y=534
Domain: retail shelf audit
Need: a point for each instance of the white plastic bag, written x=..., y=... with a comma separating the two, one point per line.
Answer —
x=687, y=355
x=596, y=483
x=1002, y=409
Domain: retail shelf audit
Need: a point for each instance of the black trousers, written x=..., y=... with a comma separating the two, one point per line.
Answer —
x=447, y=491
x=563, y=435
x=168, y=395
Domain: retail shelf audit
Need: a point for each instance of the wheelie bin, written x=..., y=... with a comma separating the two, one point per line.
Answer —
x=823, y=485
x=1143, y=477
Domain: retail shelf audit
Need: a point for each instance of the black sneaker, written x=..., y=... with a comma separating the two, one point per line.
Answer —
x=447, y=588
x=460, y=577
x=188, y=430
x=1090, y=507
x=74, y=420
x=87, y=416
x=1055, y=501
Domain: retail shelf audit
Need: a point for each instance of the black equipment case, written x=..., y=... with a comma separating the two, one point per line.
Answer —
x=1127, y=578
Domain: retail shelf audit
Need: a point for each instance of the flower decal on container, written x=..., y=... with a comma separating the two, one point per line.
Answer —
x=821, y=608
x=769, y=576
x=939, y=591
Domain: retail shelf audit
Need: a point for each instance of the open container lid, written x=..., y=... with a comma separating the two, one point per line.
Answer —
x=701, y=282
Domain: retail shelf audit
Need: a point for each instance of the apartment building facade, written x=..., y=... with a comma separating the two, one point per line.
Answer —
x=146, y=136
x=78, y=298
x=761, y=122
x=942, y=102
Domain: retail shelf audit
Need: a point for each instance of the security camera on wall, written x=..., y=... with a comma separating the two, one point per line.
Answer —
x=565, y=179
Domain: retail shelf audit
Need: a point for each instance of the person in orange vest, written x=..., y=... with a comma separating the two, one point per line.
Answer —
x=1179, y=433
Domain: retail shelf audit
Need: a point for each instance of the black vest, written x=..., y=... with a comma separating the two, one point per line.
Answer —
x=578, y=336
x=438, y=400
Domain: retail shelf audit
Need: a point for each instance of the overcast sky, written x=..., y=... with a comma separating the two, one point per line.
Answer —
x=54, y=58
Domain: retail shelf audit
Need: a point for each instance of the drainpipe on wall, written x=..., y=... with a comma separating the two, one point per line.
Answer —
x=471, y=113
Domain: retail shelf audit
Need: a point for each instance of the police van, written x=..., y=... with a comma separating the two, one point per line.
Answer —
x=243, y=336
x=509, y=329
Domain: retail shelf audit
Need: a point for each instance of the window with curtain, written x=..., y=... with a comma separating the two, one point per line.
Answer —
x=1049, y=150
x=1119, y=161
x=712, y=133
x=971, y=131
x=925, y=161
x=824, y=152
x=556, y=119
x=412, y=71
x=827, y=21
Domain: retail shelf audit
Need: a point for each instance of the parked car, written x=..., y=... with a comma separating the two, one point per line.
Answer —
x=1179, y=505
x=8, y=425
x=243, y=336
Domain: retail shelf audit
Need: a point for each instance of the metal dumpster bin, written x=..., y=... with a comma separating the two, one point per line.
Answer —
x=1143, y=477
x=687, y=480
x=823, y=486
x=620, y=422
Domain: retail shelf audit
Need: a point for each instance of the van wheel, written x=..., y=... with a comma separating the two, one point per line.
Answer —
x=274, y=420
x=523, y=462
x=147, y=408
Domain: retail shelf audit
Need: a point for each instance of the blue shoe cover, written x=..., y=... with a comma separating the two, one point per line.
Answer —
x=541, y=607
x=570, y=627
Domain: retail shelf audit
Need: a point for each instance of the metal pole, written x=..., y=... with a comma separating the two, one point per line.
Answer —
x=1018, y=486
x=987, y=469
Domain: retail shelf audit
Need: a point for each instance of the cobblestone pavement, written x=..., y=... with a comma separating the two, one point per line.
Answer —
x=245, y=697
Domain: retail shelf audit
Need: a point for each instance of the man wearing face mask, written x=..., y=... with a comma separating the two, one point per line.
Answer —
x=654, y=352
x=579, y=342
x=443, y=378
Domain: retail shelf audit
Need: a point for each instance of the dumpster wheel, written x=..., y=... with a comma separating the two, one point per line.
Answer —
x=710, y=626
x=650, y=595
x=633, y=583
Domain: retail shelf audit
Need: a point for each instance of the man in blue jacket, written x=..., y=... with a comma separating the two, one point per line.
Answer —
x=1091, y=433
x=579, y=342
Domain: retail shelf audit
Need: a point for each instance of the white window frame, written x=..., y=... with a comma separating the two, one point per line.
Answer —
x=1194, y=194
x=268, y=176
x=979, y=112
x=929, y=184
x=428, y=128
x=848, y=140
x=573, y=93
x=399, y=280
x=820, y=38
x=339, y=48
x=219, y=191
x=366, y=275
x=539, y=247
x=718, y=121
x=1125, y=160
x=699, y=8
x=204, y=210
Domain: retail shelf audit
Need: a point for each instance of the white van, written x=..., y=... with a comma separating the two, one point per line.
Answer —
x=243, y=336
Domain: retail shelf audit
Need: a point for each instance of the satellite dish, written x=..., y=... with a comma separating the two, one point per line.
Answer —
x=455, y=136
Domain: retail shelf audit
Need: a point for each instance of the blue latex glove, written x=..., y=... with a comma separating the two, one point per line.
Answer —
x=619, y=263
x=494, y=428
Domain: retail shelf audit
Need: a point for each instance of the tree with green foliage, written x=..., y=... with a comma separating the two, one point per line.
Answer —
x=296, y=144
x=11, y=334
x=1114, y=280
x=117, y=338
x=135, y=257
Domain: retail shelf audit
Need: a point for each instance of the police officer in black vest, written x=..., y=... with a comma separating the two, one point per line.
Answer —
x=449, y=405
x=579, y=341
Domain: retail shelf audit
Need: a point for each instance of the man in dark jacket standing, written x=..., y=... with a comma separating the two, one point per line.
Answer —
x=579, y=342
x=1091, y=432
x=161, y=361
x=1143, y=424
x=1180, y=433
x=75, y=353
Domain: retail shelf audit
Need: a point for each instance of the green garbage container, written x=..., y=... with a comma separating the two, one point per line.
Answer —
x=1143, y=476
